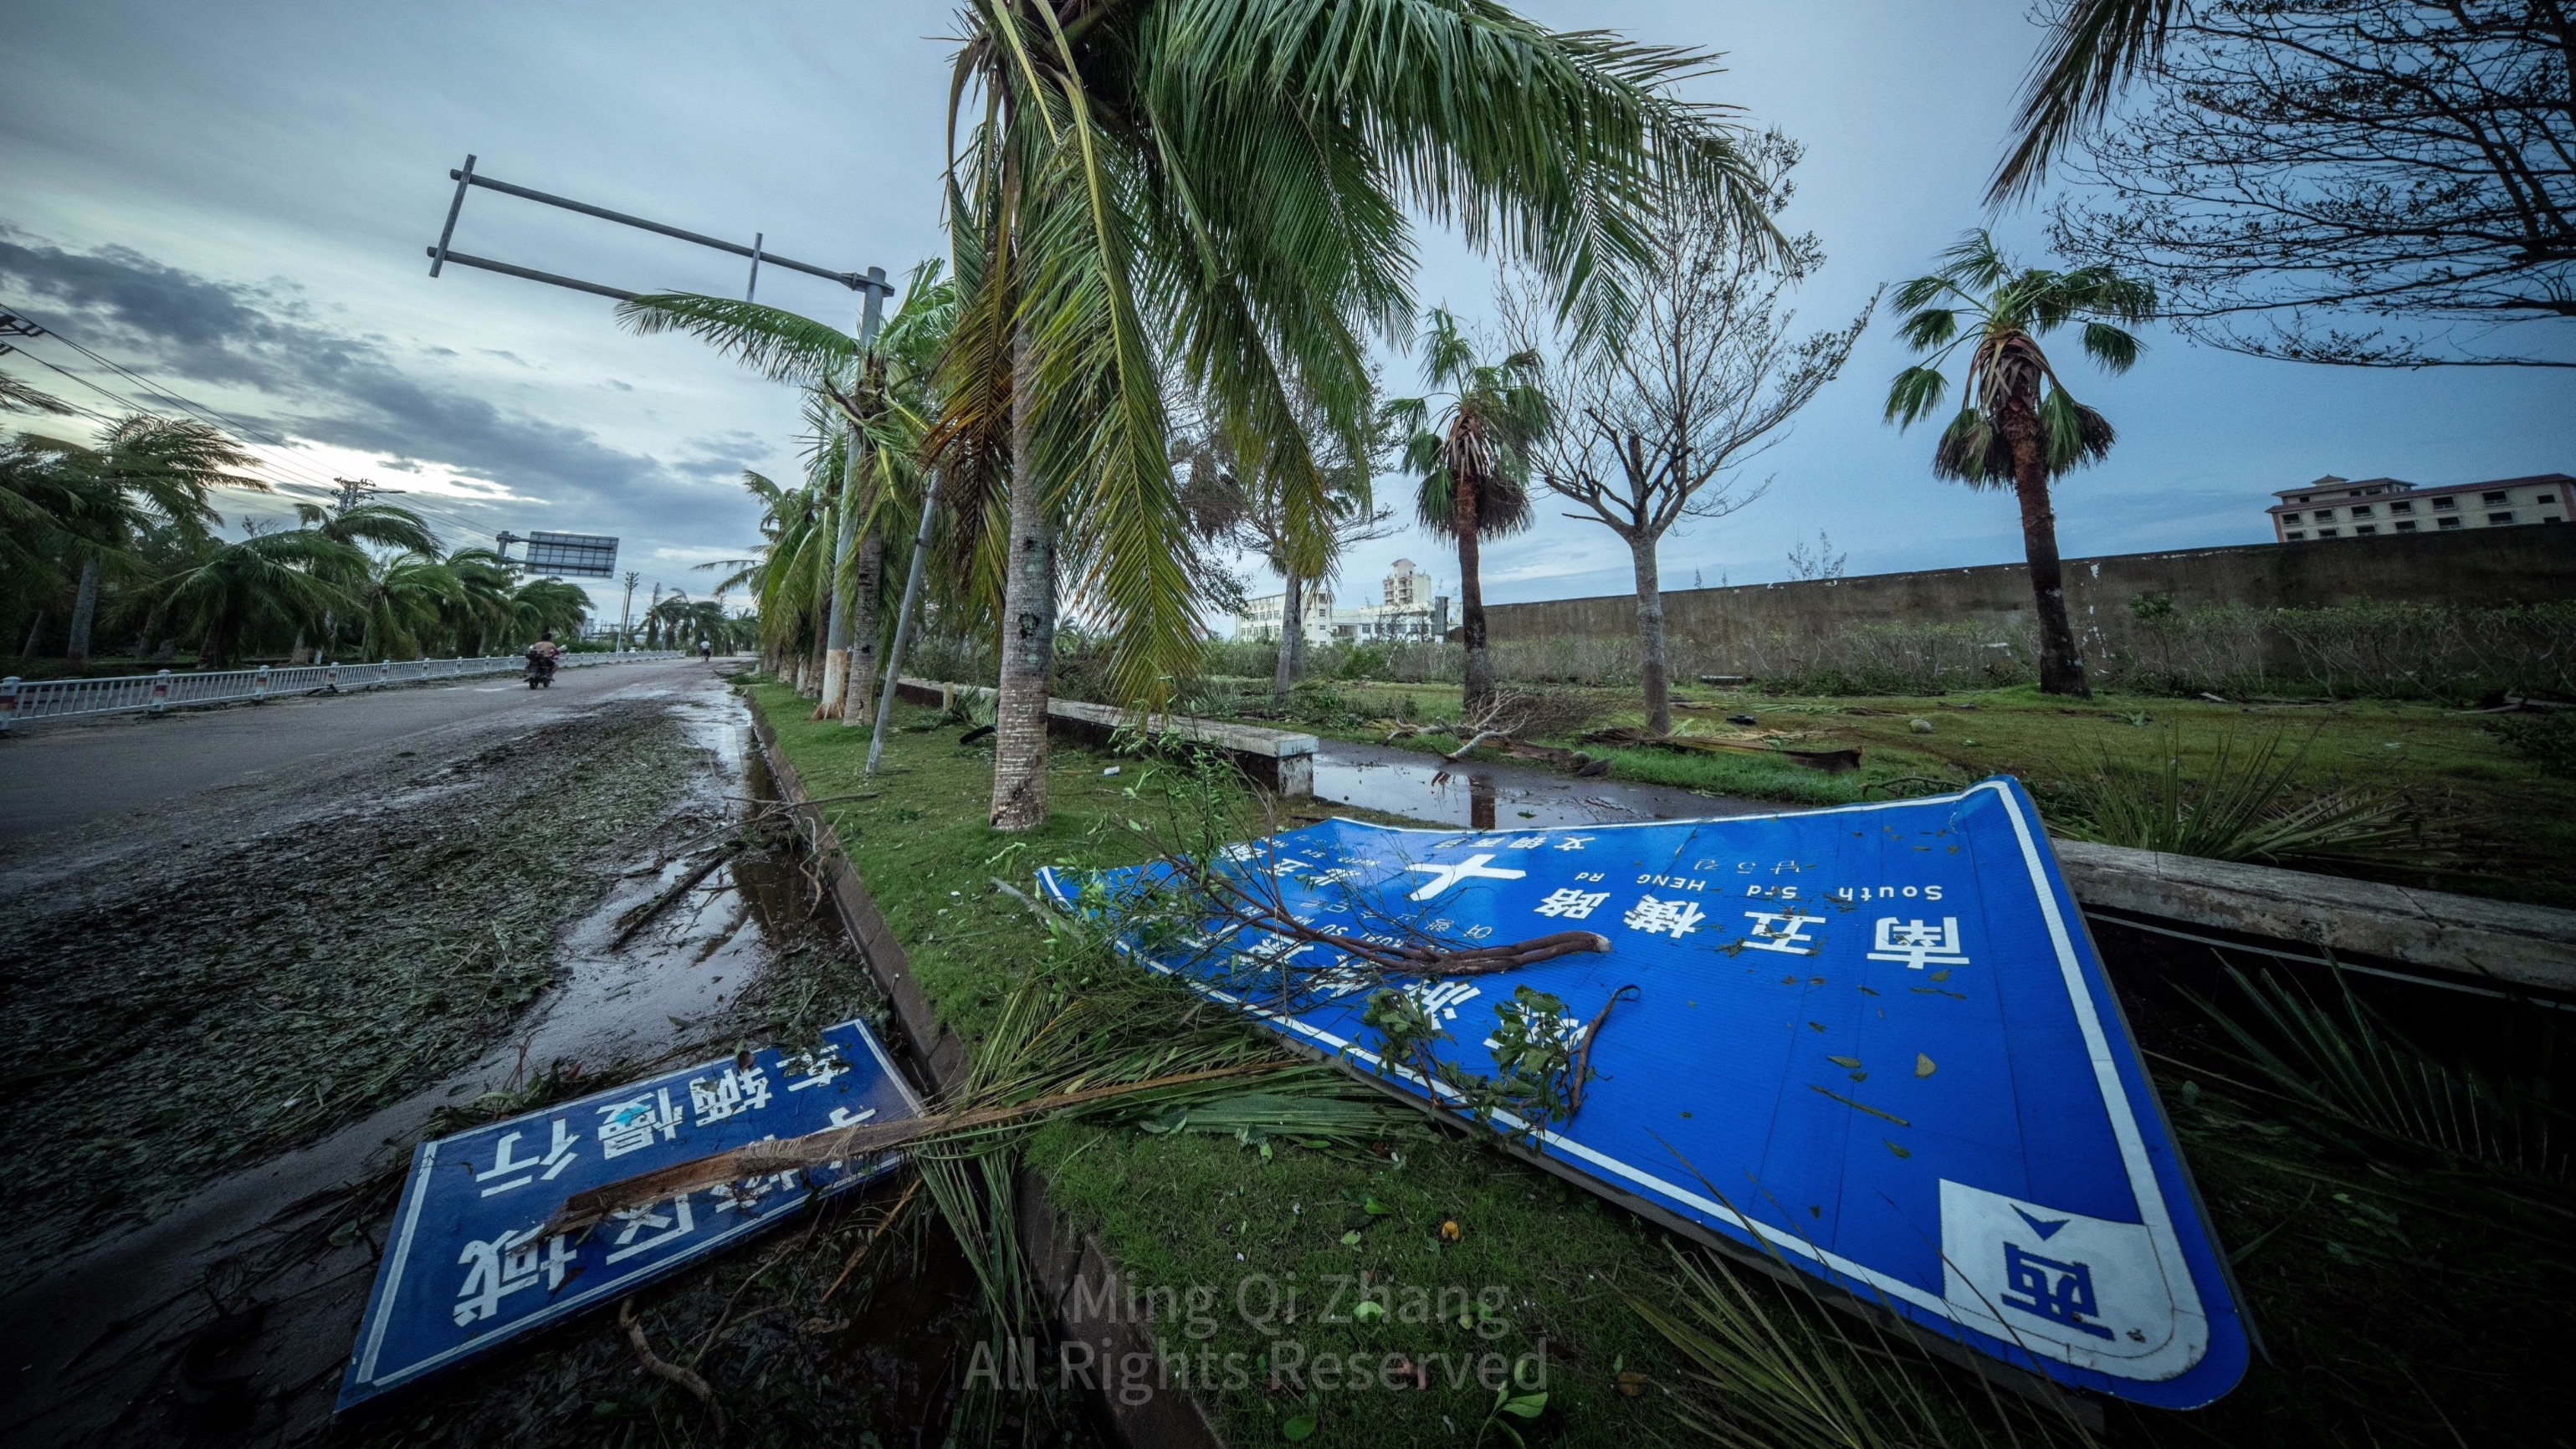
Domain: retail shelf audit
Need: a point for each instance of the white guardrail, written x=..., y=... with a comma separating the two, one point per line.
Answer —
x=25, y=701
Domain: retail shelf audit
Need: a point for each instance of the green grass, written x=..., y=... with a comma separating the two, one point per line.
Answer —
x=1177, y=1210
x=2497, y=822
x=2394, y=1313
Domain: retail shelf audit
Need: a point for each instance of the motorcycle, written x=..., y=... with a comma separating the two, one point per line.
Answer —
x=541, y=671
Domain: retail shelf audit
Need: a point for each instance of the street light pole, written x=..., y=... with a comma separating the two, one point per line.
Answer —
x=626, y=615
x=836, y=634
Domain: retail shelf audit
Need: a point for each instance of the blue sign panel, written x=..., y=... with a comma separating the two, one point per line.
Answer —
x=1874, y=1041
x=470, y=1265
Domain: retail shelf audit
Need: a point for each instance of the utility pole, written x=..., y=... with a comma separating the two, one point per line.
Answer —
x=652, y=614
x=626, y=615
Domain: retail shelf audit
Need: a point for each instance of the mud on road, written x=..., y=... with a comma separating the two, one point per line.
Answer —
x=229, y=986
x=229, y=1022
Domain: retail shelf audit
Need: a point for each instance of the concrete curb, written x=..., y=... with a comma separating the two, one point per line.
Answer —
x=1060, y=1255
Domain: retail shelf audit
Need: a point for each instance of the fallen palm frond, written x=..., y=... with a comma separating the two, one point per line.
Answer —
x=1771, y=1366
x=2243, y=807
x=1831, y=761
x=835, y=1145
x=2345, y=1063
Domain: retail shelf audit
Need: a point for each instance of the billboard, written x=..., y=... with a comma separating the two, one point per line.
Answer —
x=584, y=554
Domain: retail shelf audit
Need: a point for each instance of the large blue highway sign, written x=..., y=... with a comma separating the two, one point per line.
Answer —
x=1875, y=1042
x=470, y=1265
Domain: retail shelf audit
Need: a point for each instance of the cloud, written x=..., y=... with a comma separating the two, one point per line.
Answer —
x=347, y=391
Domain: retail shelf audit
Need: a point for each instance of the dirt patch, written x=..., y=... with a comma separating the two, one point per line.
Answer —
x=216, y=994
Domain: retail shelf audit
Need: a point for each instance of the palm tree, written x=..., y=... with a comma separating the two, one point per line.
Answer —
x=1474, y=464
x=2095, y=48
x=359, y=524
x=1224, y=190
x=144, y=471
x=883, y=404
x=405, y=605
x=275, y=581
x=481, y=604
x=2017, y=427
x=540, y=605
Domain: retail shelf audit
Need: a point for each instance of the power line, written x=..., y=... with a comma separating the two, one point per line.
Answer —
x=299, y=474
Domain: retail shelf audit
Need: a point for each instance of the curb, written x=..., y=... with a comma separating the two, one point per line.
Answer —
x=1060, y=1256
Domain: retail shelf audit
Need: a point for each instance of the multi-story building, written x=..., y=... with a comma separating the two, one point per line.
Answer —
x=1412, y=610
x=2334, y=507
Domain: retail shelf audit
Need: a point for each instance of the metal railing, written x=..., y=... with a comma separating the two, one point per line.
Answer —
x=23, y=701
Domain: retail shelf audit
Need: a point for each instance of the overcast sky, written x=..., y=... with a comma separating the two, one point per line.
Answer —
x=235, y=201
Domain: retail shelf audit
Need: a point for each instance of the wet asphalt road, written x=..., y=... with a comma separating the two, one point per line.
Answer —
x=59, y=777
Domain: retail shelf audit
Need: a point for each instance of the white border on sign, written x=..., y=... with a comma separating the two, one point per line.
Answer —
x=418, y=1195
x=2172, y=1359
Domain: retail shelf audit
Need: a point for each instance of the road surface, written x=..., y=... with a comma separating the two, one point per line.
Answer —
x=59, y=777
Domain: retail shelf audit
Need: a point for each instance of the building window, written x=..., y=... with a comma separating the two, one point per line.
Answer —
x=2499, y=518
x=2361, y=510
x=2546, y=498
x=2367, y=528
x=2401, y=506
x=2324, y=513
x=2296, y=535
x=2405, y=525
x=2326, y=532
x=2446, y=503
x=2452, y=522
x=2491, y=499
x=2551, y=518
x=2289, y=518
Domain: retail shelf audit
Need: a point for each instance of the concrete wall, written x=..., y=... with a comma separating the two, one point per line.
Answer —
x=1717, y=630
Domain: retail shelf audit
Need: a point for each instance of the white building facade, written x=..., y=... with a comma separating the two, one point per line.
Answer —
x=2334, y=507
x=1410, y=607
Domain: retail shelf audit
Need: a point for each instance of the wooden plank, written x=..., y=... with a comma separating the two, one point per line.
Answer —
x=2498, y=941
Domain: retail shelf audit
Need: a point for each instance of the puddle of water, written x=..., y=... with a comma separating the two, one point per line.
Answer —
x=88, y=1350
x=1491, y=797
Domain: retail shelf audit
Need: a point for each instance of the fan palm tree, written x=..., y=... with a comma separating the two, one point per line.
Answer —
x=1223, y=186
x=1474, y=463
x=2017, y=426
x=277, y=582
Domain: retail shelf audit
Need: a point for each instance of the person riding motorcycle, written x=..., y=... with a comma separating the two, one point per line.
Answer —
x=541, y=660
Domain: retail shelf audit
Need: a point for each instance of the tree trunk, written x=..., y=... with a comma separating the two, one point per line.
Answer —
x=84, y=614
x=1650, y=635
x=35, y=636
x=1479, y=685
x=2061, y=668
x=1292, y=636
x=859, y=692
x=1028, y=624
x=836, y=644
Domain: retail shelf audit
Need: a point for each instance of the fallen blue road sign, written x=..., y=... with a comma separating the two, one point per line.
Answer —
x=1875, y=1042
x=469, y=1265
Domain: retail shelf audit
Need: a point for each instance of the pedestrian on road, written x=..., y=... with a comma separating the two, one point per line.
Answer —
x=706, y=651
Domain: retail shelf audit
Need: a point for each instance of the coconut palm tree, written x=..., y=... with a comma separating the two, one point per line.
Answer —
x=480, y=607
x=363, y=524
x=540, y=605
x=2095, y=47
x=2017, y=426
x=404, y=606
x=143, y=472
x=1474, y=463
x=884, y=406
x=278, y=581
x=1222, y=189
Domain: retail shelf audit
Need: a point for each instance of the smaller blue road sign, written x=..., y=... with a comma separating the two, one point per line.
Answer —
x=1874, y=1042
x=470, y=1265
